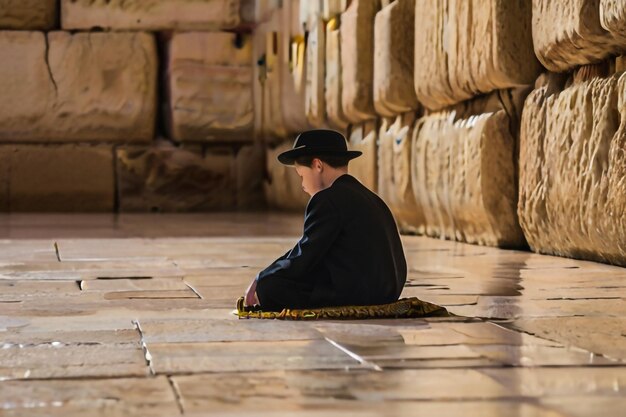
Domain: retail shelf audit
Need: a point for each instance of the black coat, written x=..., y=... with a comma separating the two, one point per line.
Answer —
x=350, y=250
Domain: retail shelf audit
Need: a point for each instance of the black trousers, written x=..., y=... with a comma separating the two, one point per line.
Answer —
x=276, y=293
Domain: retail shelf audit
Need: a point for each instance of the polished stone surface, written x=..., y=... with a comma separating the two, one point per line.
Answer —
x=131, y=315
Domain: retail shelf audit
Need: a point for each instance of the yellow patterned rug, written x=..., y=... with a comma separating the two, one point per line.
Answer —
x=404, y=308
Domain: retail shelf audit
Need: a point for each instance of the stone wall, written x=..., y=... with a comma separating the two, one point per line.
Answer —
x=573, y=168
x=135, y=105
x=577, y=32
x=150, y=15
x=464, y=48
x=210, y=87
x=464, y=173
x=28, y=14
x=466, y=134
x=57, y=178
x=572, y=154
x=63, y=87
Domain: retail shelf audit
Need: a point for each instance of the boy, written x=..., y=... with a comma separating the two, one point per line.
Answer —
x=350, y=251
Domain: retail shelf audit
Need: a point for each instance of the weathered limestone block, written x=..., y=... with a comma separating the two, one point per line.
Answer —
x=394, y=29
x=298, y=52
x=26, y=84
x=365, y=168
x=84, y=86
x=291, y=61
x=310, y=13
x=5, y=159
x=431, y=77
x=567, y=34
x=464, y=48
x=316, y=57
x=394, y=172
x=620, y=63
x=210, y=81
x=273, y=103
x=28, y=14
x=263, y=8
x=573, y=169
x=334, y=109
x=357, y=60
x=280, y=74
x=164, y=178
x=247, y=13
x=464, y=177
x=266, y=88
x=283, y=188
x=149, y=14
x=58, y=178
x=430, y=169
x=249, y=172
x=331, y=8
x=613, y=19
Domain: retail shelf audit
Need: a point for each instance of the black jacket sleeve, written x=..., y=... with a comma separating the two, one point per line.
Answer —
x=321, y=227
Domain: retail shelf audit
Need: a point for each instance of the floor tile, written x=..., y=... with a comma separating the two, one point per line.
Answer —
x=150, y=397
x=176, y=358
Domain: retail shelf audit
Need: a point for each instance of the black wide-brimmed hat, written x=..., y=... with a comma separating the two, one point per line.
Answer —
x=318, y=142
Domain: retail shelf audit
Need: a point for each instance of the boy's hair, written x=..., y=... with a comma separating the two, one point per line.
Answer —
x=332, y=160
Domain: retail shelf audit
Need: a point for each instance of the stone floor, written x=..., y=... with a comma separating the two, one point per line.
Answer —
x=131, y=315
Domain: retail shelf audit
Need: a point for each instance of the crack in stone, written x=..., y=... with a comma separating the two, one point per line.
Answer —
x=128, y=277
x=144, y=347
x=47, y=61
x=56, y=250
x=579, y=298
x=177, y=395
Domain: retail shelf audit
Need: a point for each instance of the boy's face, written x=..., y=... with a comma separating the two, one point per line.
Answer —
x=311, y=176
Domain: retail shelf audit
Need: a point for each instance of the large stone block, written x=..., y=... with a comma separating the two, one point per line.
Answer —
x=291, y=61
x=280, y=74
x=249, y=173
x=5, y=159
x=334, y=109
x=393, y=59
x=291, y=64
x=247, y=13
x=283, y=188
x=310, y=13
x=77, y=87
x=210, y=87
x=363, y=138
x=266, y=87
x=573, y=169
x=149, y=14
x=394, y=172
x=28, y=14
x=331, y=8
x=164, y=178
x=27, y=86
x=613, y=19
x=316, y=51
x=58, y=178
x=568, y=34
x=464, y=177
x=464, y=48
x=264, y=8
x=357, y=60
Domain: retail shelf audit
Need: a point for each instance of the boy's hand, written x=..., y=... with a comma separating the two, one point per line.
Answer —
x=250, y=297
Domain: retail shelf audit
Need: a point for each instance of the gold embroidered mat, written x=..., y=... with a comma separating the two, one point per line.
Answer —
x=404, y=308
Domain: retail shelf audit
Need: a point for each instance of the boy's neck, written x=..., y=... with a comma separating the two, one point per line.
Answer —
x=331, y=176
